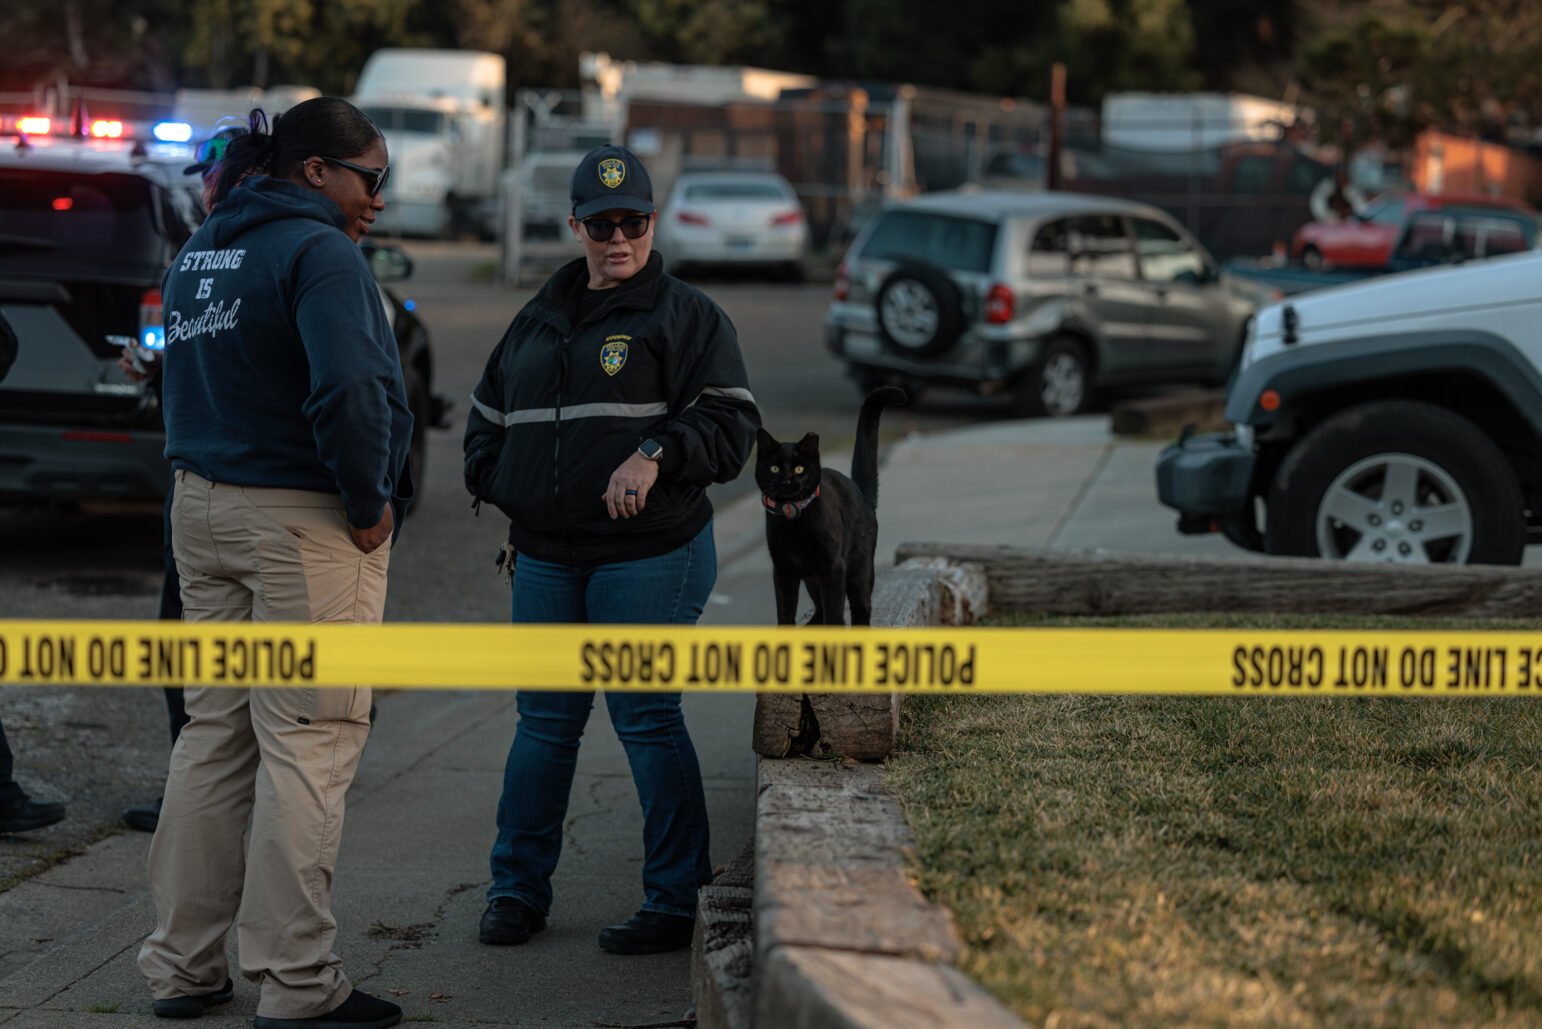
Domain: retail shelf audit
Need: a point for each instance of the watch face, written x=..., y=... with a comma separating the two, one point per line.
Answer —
x=650, y=449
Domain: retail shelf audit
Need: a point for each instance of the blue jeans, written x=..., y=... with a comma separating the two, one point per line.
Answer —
x=670, y=589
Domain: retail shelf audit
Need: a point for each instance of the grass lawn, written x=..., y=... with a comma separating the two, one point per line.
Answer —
x=1253, y=861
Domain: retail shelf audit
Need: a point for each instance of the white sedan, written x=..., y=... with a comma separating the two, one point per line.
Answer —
x=732, y=218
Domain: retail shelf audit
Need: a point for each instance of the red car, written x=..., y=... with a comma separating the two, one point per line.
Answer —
x=1367, y=239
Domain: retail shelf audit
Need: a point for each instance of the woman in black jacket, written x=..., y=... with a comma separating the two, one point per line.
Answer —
x=615, y=397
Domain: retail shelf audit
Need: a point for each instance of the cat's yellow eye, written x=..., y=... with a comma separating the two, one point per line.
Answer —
x=798, y=470
x=775, y=469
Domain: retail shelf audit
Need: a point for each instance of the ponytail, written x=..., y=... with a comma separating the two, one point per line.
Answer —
x=323, y=127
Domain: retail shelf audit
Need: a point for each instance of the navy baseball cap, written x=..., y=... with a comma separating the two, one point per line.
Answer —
x=610, y=178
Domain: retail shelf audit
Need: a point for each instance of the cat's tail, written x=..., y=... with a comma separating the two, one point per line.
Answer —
x=864, y=457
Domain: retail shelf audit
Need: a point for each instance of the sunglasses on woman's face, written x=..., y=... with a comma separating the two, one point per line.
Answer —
x=633, y=226
x=374, y=178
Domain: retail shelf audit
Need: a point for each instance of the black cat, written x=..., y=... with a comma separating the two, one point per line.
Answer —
x=821, y=527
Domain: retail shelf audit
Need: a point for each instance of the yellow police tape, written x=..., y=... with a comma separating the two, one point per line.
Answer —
x=1232, y=662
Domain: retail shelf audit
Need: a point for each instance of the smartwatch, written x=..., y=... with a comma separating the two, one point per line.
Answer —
x=651, y=449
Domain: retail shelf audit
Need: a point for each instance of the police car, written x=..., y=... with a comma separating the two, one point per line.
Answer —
x=88, y=224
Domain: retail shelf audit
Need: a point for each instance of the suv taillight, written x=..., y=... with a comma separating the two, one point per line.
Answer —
x=152, y=329
x=1000, y=305
x=842, y=282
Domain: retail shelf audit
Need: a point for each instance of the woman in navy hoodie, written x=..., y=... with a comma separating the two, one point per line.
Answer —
x=287, y=429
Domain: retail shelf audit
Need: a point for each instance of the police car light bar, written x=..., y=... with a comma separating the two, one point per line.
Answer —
x=107, y=128
x=33, y=125
x=172, y=131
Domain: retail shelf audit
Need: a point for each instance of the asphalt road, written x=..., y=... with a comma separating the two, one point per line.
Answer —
x=101, y=750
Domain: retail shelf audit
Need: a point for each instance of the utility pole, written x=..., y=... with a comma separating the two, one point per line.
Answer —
x=1056, y=124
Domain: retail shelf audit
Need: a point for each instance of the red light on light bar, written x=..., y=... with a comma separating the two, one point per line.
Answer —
x=87, y=436
x=33, y=126
x=104, y=128
x=63, y=203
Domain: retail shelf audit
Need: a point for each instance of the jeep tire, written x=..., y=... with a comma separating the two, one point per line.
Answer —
x=919, y=311
x=1397, y=481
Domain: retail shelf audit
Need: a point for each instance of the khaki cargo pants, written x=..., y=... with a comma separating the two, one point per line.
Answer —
x=280, y=759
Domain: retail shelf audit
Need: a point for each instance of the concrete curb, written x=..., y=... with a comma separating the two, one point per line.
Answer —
x=838, y=936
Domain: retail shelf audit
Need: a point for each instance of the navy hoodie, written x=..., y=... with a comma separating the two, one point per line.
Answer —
x=281, y=369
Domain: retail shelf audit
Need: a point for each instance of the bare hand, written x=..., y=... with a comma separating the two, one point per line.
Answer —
x=131, y=371
x=369, y=540
x=627, y=493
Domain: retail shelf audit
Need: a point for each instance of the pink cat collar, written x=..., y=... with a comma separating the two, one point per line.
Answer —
x=788, y=508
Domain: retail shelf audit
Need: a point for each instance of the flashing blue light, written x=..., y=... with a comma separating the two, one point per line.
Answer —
x=153, y=338
x=172, y=131
x=411, y=305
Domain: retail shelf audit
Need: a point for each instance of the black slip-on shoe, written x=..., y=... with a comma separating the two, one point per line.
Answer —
x=359, y=1011
x=648, y=932
x=25, y=814
x=508, y=921
x=194, y=1007
x=144, y=817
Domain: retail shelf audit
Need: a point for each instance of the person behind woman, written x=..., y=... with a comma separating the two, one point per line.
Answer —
x=145, y=817
x=18, y=812
x=287, y=428
x=614, y=398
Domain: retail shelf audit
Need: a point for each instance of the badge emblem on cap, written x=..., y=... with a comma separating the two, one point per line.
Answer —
x=612, y=172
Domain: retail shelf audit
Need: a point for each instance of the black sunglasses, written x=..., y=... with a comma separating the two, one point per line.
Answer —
x=633, y=226
x=375, y=178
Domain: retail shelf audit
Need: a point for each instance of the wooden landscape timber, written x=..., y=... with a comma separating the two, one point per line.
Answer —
x=863, y=726
x=1099, y=583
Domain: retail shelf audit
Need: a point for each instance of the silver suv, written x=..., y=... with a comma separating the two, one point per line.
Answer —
x=1045, y=296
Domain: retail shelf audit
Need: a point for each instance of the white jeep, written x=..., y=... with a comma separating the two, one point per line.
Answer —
x=1394, y=420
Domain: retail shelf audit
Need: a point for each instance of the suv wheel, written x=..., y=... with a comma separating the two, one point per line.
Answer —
x=920, y=313
x=1399, y=482
x=1059, y=386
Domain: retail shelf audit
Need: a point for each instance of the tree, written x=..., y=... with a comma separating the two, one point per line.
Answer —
x=1392, y=70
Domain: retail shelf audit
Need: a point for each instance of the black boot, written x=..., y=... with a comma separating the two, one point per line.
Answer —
x=194, y=1007
x=359, y=1011
x=22, y=814
x=144, y=817
x=507, y=922
x=648, y=932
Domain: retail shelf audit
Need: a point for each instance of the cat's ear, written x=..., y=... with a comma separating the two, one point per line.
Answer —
x=809, y=444
x=765, y=440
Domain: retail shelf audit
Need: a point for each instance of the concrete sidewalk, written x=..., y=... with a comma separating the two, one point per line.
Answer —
x=413, y=868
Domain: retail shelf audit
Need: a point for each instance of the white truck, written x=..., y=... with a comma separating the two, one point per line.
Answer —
x=444, y=115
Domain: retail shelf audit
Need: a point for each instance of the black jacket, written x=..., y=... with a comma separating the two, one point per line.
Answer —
x=561, y=406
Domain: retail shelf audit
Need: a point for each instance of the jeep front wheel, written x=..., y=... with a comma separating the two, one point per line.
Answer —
x=1399, y=482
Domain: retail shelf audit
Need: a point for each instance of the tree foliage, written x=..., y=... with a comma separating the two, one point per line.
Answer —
x=1388, y=71
x=1380, y=66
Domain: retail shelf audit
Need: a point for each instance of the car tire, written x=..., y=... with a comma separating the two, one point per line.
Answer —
x=419, y=403
x=1058, y=385
x=1313, y=259
x=1397, y=481
x=920, y=312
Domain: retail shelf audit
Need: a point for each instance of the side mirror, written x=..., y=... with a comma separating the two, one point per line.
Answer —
x=389, y=264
